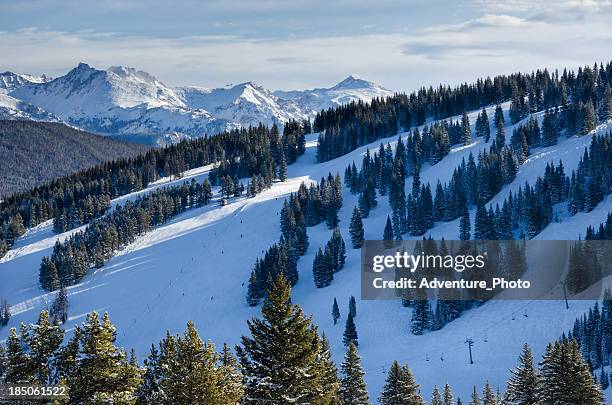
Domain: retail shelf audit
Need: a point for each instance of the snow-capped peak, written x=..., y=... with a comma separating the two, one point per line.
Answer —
x=10, y=81
x=124, y=100
x=355, y=82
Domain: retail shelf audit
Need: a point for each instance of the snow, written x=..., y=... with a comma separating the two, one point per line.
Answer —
x=128, y=102
x=196, y=267
x=350, y=89
x=10, y=81
x=13, y=109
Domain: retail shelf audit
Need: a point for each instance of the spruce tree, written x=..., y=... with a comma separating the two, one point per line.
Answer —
x=44, y=340
x=356, y=229
x=448, y=395
x=280, y=359
x=524, y=381
x=102, y=372
x=500, y=136
x=350, y=332
x=566, y=377
x=465, y=129
x=464, y=227
x=352, y=306
x=353, y=390
x=282, y=167
x=18, y=366
x=436, y=398
x=335, y=311
x=475, y=399
x=148, y=392
x=488, y=396
x=421, y=316
x=191, y=371
x=59, y=309
x=330, y=383
x=388, y=232
x=400, y=387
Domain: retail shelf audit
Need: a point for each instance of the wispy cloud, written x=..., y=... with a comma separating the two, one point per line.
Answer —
x=485, y=21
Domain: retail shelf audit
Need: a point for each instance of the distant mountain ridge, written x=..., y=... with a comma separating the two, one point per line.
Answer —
x=10, y=81
x=123, y=101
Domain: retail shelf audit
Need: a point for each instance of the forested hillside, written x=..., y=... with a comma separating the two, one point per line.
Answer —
x=32, y=153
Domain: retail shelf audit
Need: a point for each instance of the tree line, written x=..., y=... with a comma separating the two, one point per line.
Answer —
x=283, y=360
x=74, y=200
x=100, y=240
x=593, y=333
x=581, y=99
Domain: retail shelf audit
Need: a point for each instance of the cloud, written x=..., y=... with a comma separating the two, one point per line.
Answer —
x=549, y=9
x=403, y=60
x=487, y=20
x=290, y=60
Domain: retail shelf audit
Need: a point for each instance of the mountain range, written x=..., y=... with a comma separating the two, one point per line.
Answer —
x=134, y=105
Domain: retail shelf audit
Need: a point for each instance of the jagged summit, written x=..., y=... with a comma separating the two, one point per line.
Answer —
x=126, y=101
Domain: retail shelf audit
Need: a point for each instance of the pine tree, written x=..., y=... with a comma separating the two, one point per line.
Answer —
x=329, y=374
x=448, y=395
x=436, y=398
x=280, y=360
x=335, y=311
x=588, y=119
x=475, y=399
x=43, y=340
x=605, y=105
x=18, y=364
x=356, y=229
x=500, y=137
x=5, y=312
x=400, y=387
x=421, y=316
x=321, y=268
x=191, y=371
x=353, y=390
x=388, y=232
x=465, y=129
x=352, y=306
x=59, y=309
x=464, y=227
x=253, y=293
x=149, y=392
x=231, y=379
x=282, y=167
x=566, y=377
x=102, y=372
x=488, y=397
x=524, y=381
x=350, y=332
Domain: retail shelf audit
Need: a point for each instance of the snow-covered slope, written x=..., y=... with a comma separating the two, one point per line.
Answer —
x=350, y=89
x=13, y=109
x=245, y=103
x=196, y=267
x=128, y=102
x=10, y=81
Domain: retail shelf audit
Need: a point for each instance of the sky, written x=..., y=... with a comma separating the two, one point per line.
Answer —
x=298, y=44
